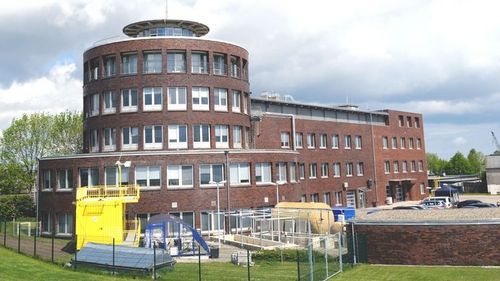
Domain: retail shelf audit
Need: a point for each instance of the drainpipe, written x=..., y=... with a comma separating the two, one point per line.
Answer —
x=292, y=117
x=375, y=181
x=226, y=154
x=37, y=190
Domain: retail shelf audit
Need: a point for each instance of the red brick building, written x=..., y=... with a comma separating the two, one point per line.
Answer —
x=179, y=108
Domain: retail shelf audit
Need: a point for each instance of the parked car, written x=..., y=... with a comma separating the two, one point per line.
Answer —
x=436, y=201
x=464, y=203
x=410, y=207
x=481, y=205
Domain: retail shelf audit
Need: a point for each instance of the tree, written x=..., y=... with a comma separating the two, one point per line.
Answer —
x=458, y=165
x=435, y=164
x=67, y=130
x=13, y=179
x=477, y=161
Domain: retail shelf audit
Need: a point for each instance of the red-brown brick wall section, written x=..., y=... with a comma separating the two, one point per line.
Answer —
x=473, y=244
x=407, y=154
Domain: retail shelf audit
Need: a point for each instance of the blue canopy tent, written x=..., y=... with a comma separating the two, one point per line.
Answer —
x=174, y=235
x=447, y=190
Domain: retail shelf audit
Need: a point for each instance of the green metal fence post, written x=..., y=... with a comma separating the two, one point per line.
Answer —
x=199, y=263
x=298, y=265
x=76, y=251
x=5, y=233
x=154, y=260
x=52, y=246
x=113, y=256
x=18, y=238
x=248, y=264
x=34, y=240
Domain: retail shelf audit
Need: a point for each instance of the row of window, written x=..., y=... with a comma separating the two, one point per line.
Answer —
x=177, y=137
x=177, y=100
x=404, y=166
x=323, y=141
x=410, y=121
x=402, y=143
x=63, y=224
x=182, y=176
x=200, y=63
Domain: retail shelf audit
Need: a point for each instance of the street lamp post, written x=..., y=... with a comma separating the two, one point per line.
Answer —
x=218, y=209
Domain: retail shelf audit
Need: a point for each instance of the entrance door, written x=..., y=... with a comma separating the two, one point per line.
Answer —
x=351, y=199
x=399, y=193
x=362, y=199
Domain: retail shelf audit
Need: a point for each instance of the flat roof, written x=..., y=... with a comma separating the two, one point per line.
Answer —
x=135, y=28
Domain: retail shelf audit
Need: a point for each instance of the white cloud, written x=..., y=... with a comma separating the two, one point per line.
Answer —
x=56, y=92
x=459, y=141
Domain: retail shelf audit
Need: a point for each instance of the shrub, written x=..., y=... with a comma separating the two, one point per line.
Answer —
x=15, y=206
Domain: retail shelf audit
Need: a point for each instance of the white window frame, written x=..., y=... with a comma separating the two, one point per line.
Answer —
x=179, y=93
x=200, y=66
x=410, y=143
x=154, y=92
x=239, y=174
x=109, y=137
x=131, y=92
x=285, y=140
x=293, y=172
x=404, y=166
x=220, y=99
x=47, y=177
x=176, y=62
x=403, y=143
x=148, y=185
x=200, y=97
x=68, y=184
x=153, y=65
x=174, y=136
x=236, y=101
x=347, y=142
x=394, y=144
x=129, y=63
x=220, y=67
x=387, y=167
x=302, y=171
x=311, y=141
x=203, y=142
x=413, y=166
x=298, y=140
x=358, y=142
x=349, y=167
x=131, y=145
x=124, y=177
x=335, y=141
x=89, y=176
x=395, y=167
x=360, y=169
x=68, y=224
x=336, y=170
x=176, y=172
x=109, y=102
x=94, y=141
x=109, y=66
x=420, y=165
x=419, y=143
x=322, y=141
x=263, y=170
x=237, y=136
x=324, y=170
x=385, y=142
x=211, y=171
x=282, y=172
x=154, y=144
x=313, y=170
x=221, y=136
x=422, y=189
x=94, y=105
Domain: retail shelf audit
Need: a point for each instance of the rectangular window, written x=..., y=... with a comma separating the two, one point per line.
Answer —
x=347, y=142
x=360, y=167
x=281, y=172
x=417, y=122
x=109, y=98
x=385, y=142
x=335, y=141
x=324, y=170
x=395, y=167
x=152, y=62
x=358, y=142
x=235, y=67
x=403, y=143
x=348, y=169
x=409, y=122
x=303, y=198
x=153, y=137
x=236, y=101
x=220, y=64
x=336, y=170
x=177, y=136
x=109, y=139
x=262, y=173
x=111, y=176
x=338, y=198
x=94, y=105
x=302, y=171
x=326, y=199
x=420, y=166
x=285, y=140
x=401, y=120
x=65, y=224
x=221, y=136
x=176, y=62
x=239, y=174
x=65, y=180
x=244, y=103
x=387, y=167
x=177, y=98
x=237, y=136
x=293, y=172
x=109, y=66
x=312, y=170
x=410, y=143
x=422, y=188
x=419, y=143
x=405, y=167
x=153, y=97
x=179, y=176
x=322, y=141
x=315, y=197
x=394, y=142
x=148, y=176
x=129, y=64
x=246, y=138
x=200, y=98
x=199, y=63
x=298, y=140
x=94, y=69
x=47, y=180
x=130, y=138
x=413, y=166
x=89, y=177
x=129, y=100
x=94, y=141
x=201, y=136
x=210, y=222
x=220, y=99
x=211, y=173
x=311, y=141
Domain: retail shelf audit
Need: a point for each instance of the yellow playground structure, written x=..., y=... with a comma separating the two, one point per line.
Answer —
x=100, y=215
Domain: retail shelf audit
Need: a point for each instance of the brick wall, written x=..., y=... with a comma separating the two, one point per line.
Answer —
x=436, y=244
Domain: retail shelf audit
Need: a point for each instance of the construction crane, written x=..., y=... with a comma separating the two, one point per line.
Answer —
x=496, y=143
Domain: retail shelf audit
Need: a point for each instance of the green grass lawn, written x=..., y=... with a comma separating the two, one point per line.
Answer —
x=18, y=267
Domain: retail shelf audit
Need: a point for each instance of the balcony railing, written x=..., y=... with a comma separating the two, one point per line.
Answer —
x=103, y=191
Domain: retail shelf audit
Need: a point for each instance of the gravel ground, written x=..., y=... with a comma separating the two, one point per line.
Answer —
x=479, y=214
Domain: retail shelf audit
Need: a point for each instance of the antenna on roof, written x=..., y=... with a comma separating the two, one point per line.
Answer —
x=166, y=10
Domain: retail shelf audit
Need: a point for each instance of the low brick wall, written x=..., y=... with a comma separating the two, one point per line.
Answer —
x=436, y=243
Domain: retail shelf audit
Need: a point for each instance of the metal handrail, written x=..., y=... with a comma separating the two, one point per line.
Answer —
x=103, y=191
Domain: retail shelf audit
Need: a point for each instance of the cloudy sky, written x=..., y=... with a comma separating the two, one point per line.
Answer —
x=440, y=58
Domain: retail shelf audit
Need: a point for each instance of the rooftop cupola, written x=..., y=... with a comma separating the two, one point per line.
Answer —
x=154, y=28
